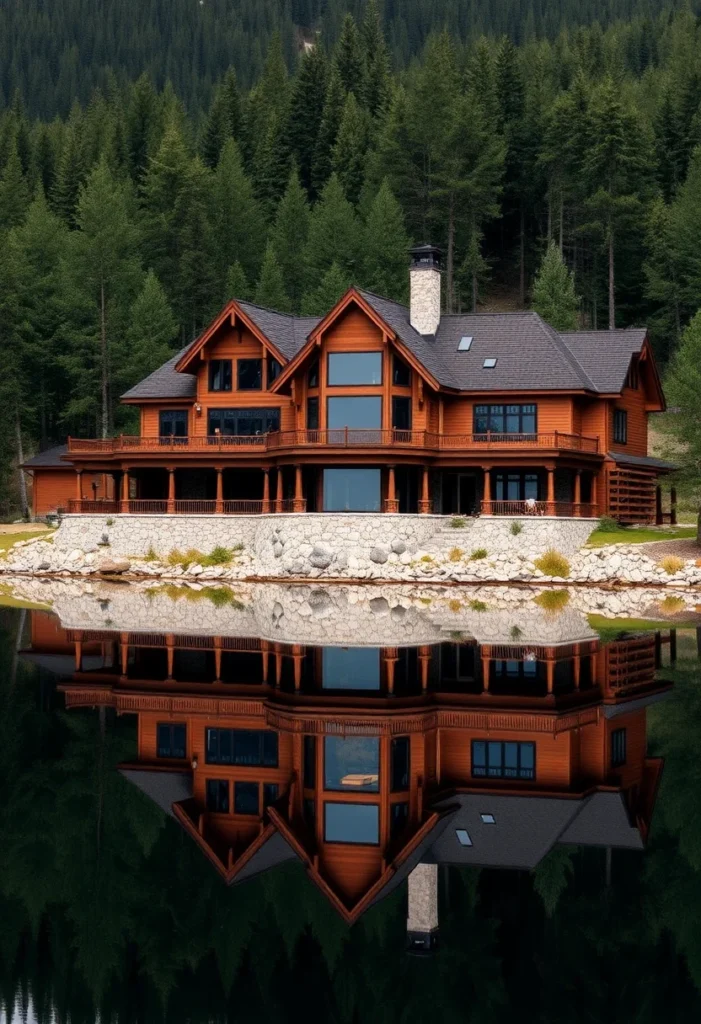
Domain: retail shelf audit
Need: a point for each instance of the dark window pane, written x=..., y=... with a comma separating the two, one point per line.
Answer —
x=513, y=424
x=354, y=368
x=399, y=759
x=309, y=811
x=271, y=792
x=217, y=796
x=312, y=414
x=350, y=668
x=173, y=423
x=178, y=741
x=274, y=368
x=352, y=823
x=620, y=426
x=309, y=762
x=618, y=748
x=246, y=747
x=503, y=759
x=479, y=754
x=246, y=797
x=362, y=413
x=250, y=374
x=220, y=375
x=399, y=815
x=269, y=749
x=401, y=374
x=352, y=490
x=528, y=423
x=401, y=413
x=242, y=422
x=352, y=763
x=313, y=375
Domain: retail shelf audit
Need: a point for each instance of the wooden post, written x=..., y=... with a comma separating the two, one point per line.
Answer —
x=297, y=657
x=266, y=490
x=171, y=489
x=124, y=504
x=217, y=659
x=425, y=661
x=219, y=503
x=578, y=492
x=424, y=502
x=123, y=655
x=659, y=516
x=550, y=675
x=298, y=504
x=170, y=654
x=673, y=509
x=487, y=492
x=577, y=670
x=672, y=647
x=79, y=485
x=486, y=663
x=551, y=491
x=78, y=655
x=391, y=504
x=278, y=492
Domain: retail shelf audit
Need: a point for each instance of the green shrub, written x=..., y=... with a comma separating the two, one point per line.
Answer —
x=458, y=522
x=516, y=528
x=426, y=558
x=455, y=554
x=478, y=553
x=218, y=556
x=454, y=604
x=608, y=524
x=109, y=522
x=671, y=564
x=516, y=633
x=552, y=563
x=553, y=600
x=478, y=606
x=672, y=605
x=151, y=555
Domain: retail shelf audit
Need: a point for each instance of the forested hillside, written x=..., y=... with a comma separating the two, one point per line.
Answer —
x=57, y=51
x=127, y=223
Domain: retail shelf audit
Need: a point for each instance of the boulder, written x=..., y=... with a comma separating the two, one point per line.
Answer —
x=398, y=546
x=379, y=606
x=277, y=549
x=379, y=555
x=113, y=566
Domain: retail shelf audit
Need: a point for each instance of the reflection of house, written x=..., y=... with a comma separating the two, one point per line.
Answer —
x=380, y=407
x=286, y=752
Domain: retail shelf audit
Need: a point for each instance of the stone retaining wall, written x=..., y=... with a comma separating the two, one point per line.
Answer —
x=537, y=534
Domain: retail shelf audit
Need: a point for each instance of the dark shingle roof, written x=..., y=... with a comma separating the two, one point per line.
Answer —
x=165, y=382
x=50, y=457
x=424, y=348
x=287, y=333
x=643, y=461
x=603, y=821
x=605, y=355
x=164, y=788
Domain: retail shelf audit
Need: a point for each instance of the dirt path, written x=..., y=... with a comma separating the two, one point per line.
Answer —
x=685, y=547
x=23, y=528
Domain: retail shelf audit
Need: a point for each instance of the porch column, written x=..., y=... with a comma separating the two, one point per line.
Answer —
x=124, y=504
x=78, y=655
x=551, y=491
x=659, y=517
x=266, y=491
x=217, y=659
x=578, y=492
x=424, y=662
x=171, y=490
x=594, y=500
x=576, y=670
x=550, y=675
x=79, y=485
x=391, y=505
x=278, y=492
x=487, y=491
x=424, y=501
x=298, y=504
x=170, y=655
x=673, y=508
x=219, y=503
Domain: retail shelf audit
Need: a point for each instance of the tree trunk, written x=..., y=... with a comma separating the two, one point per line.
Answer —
x=612, y=299
x=522, y=246
x=20, y=459
x=104, y=368
x=450, y=256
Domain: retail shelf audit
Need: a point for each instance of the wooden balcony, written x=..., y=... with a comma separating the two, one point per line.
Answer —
x=346, y=437
x=531, y=507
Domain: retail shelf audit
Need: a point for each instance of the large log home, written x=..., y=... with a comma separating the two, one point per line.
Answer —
x=380, y=407
x=363, y=763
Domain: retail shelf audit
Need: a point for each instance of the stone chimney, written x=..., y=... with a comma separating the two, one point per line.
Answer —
x=422, y=913
x=425, y=289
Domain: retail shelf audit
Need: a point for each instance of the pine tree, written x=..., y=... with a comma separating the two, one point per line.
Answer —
x=197, y=295
x=554, y=296
x=289, y=236
x=141, y=125
x=306, y=112
x=236, y=286
x=334, y=104
x=271, y=164
x=239, y=225
x=334, y=236
x=377, y=80
x=333, y=285
x=348, y=158
x=223, y=121
x=270, y=290
x=150, y=335
x=14, y=192
x=70, y=174
x=386, y=247
x=348, y=56
x=164, y=181
x=683, y=390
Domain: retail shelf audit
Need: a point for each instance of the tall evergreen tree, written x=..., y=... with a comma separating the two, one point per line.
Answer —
x=14, y=193
x=349, y=57
x=334, y=236
x=239, y=225
x=332, y=286
x=554, y=296
x=197, y=291
x=270, y=290
x=334, y=103
x=306, y=112
x=385, y=247
x=377, y=80
x=151, y=333
x=348, y=158
x=223, y=121
x=165, y=179
x=236, y=286
x=289, y=236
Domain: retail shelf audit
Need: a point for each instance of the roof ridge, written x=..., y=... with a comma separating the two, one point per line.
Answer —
x=268, y=309
x=567, y=352
x=494, y=312
x=385, y=298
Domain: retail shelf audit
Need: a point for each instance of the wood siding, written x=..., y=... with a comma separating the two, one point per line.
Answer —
x=53, y=488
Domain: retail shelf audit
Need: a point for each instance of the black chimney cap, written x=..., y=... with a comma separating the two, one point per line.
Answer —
x=422, y=943
x=425, y=256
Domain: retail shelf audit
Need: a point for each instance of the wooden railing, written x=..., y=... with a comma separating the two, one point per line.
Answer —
x=98, y=506
x=194, y=507
x=531, y=507
x=344, y=437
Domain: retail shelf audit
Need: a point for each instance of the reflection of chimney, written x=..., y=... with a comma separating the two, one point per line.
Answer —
x=425, y=289
x=422, y=913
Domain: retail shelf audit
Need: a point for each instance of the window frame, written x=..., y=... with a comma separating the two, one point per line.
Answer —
x=348, y=803
x=353, y=398
x=237, y=413
x=400, y=369
x=171, y=726
x=241, y=785
x=354, y=383
x=221, y=784
x=184, y=417
x=313, y=405
x=518, y=409
x=404, y=400
x=620, y=420
x=244, y=360
x=487, y=774
x=619, y=748
x=231, y=740
x=220, y=364
x=328, y=752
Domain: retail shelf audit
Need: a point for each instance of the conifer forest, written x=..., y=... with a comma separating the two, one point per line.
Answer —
x=158, y=159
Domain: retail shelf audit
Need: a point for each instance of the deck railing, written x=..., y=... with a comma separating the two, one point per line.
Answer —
x=531, y=507
x=344, y=437
x=98, y=506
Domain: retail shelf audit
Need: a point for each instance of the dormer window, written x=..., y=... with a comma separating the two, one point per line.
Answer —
x=220, y=375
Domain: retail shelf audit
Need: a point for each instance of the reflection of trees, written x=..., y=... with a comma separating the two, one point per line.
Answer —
x=106, y=905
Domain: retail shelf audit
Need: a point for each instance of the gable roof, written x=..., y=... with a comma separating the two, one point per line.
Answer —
x=605, y=355
x=165, y=382
x=288, y=333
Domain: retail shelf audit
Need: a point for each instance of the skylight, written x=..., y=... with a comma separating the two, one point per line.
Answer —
x=463, y=837
x=488, y=819
x=464, y=344
x=489, y=364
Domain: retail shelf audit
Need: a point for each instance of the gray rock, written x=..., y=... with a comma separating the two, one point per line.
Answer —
x=321, y=559
x=398, y=546
x=114, y=566
x=379, y=605
x=379, y=555
x=277, y=549
x=342, y=560
x=319, y=598
x=398, y=613
x=43, y=566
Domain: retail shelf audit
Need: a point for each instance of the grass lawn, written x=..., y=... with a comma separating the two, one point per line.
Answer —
x=600, y=538
x=8, y=539
x=609, y=629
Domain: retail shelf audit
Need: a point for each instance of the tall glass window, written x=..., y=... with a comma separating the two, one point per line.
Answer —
x=352, y=763
x=516, y=486
x=171, y=739
x=252, y=747
x=246, y=797
x=399, y=761
x=217, y=796
x=250, y=374
x=352, y=490
x=352, y=823
x=350, y=668
x=354, y=368
x=401, y=374
x=401, y=413
x=358, y=413
x=220, y=375
x=312, y=414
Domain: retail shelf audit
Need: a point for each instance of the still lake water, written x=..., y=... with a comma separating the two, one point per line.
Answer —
x=221, y=806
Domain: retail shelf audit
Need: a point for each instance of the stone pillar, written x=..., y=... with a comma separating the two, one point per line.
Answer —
x=298, y=503
x=171, y=490
x=578, y=492
x=219, y=503
x=278, y=493
x=124, y=504
x=487, y=491
x=659, y=516
x=391, y=504
x=266, y=491
x=551, y=491
x=424, y=500
x=422, y=908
